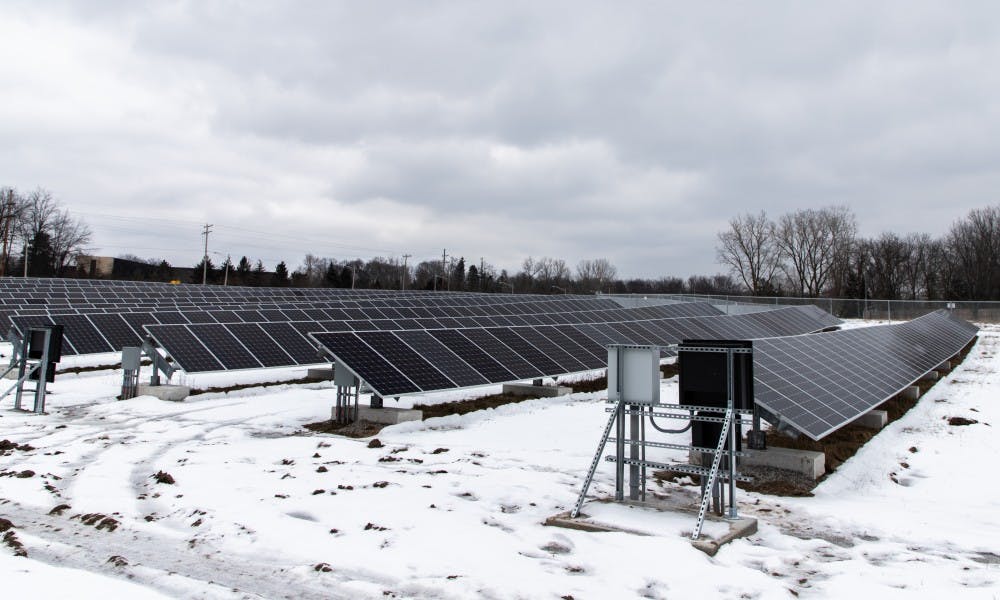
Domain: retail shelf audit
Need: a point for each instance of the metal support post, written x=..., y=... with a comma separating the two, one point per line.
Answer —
x=43, y=373
x=634, y=453
x=731, y=404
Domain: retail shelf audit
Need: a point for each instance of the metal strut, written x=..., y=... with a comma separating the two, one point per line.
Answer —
x=713, y=474
x=617, y=412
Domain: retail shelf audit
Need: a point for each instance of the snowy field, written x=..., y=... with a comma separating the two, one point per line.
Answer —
x=453, y=507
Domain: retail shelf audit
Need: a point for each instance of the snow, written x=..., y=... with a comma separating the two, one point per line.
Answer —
x=453, y=507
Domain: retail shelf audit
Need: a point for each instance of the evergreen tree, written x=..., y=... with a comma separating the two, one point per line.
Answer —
x=332, y=276
x=280, y=277
x=164, y=272
x=243, y=271
x=257, y=275
x=458, y=275
x=472, y=279
x=199, y=272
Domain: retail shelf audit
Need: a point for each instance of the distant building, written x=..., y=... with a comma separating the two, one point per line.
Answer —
x=107, y=267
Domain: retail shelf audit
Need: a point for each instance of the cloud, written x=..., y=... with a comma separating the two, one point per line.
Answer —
x=503, y=130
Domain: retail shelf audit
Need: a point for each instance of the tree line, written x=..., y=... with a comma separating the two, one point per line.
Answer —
x=38, y=235
x=817, y=252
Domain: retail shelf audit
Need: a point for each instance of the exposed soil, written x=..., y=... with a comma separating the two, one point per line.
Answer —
x=462, y=407
x=358, y=429
x=164, y=477
x=776, y=482
x=244, y=386
x=7, y=447
x=957, y=421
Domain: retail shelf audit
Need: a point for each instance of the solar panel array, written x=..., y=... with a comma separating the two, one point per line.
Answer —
x=193, y=340
x=395, y=363
x=103, y=316
x=819, y=383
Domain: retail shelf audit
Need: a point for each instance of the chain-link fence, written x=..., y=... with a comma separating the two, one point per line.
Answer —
x=845, y=308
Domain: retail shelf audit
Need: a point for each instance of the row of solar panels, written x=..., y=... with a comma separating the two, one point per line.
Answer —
x=17, y=289
x=819, y=383
x=337, y=311
x=395, y=363
x=214, y=347
x=99, y=333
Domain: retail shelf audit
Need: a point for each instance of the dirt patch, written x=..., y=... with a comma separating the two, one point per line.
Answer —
x=164, y=477
x=59, y=510
x=776, y=482
x=7, y=447
x=958, y=421
x=244, y=386
x=10, y=539
x=358, y=429
x=99, y=521
x=462, y=407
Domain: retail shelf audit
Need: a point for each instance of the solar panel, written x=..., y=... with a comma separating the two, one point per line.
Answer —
x=227, y=349
x=408, y=362
x=85, y=337
x=502, y=353
x=486, y=365
x=265, y=349
x=819, y=383
x=185, y=348
x=441, y=357
x=366, y=363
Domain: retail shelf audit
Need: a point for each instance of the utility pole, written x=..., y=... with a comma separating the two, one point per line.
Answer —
x=204, y=261
x=402, y=276
x=482, y=273
x=444, y=268
x=26, y=259
x=225, y=278
x=8, y=214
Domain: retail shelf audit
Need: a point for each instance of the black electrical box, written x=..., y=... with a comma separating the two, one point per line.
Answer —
x=36, y=342
x=702, y=375
x=702, y=381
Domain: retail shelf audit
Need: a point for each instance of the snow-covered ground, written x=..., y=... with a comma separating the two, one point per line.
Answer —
x=453, y=507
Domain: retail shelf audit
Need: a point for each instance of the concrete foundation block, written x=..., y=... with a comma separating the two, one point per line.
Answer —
x=320, y=374
x=944, y=367
x=911, y=393
x=809, y=463
x=172, y=393
x=931, y=376
x=873, y=419
x=388, y=416
x=536, y=391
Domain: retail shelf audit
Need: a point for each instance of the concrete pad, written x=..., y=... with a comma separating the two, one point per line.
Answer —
x=911, y=393
x=320, y=374
x=873, y=419
x=807, y=462
x=737, y=528
x=389, y=416
x=536, y=391
x=172, y=393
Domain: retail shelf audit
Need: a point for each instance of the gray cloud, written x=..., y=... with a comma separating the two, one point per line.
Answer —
x=497, y=130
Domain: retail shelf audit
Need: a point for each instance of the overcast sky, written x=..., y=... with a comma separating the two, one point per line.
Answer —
x=631, y=131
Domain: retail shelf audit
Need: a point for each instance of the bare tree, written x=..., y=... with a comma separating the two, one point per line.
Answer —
x=750, y=251
x=592, y=275
x=12, y=207
x=973, y=247
x=811, y=242
x=68, y=237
